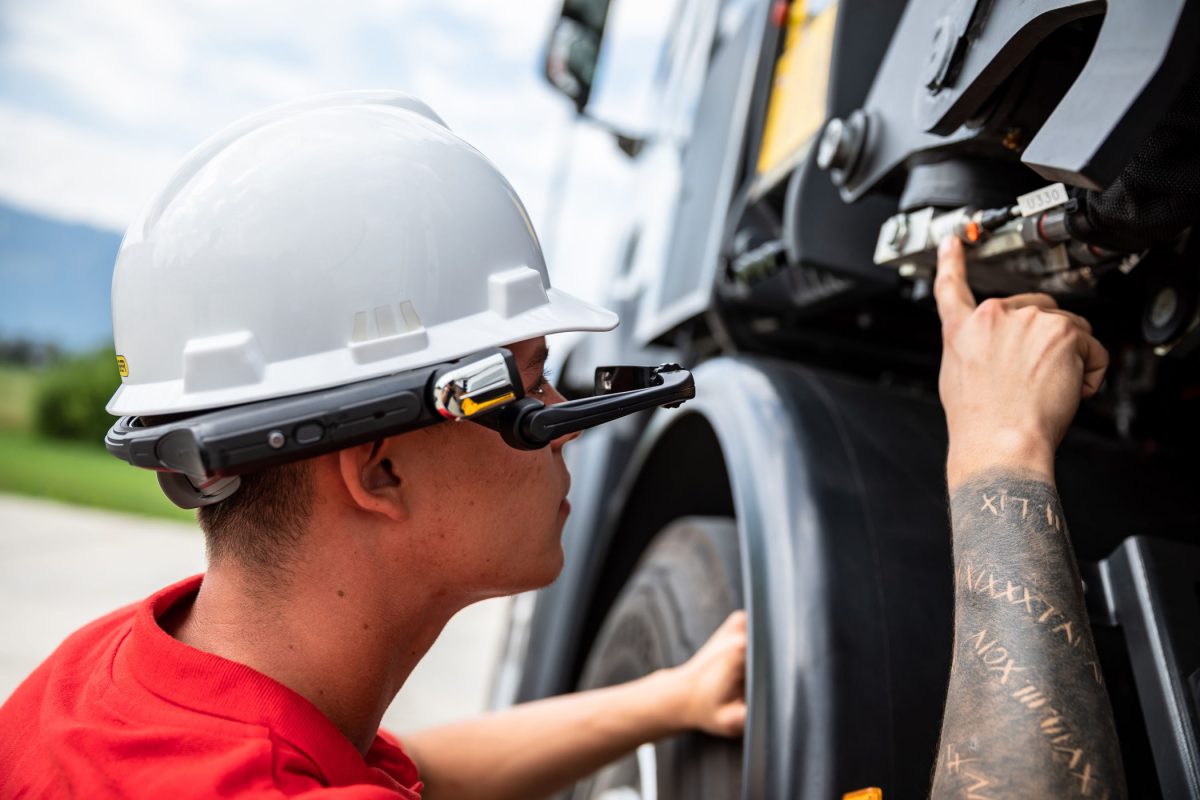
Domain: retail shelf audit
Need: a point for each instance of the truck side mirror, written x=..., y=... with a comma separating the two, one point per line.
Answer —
x=574, y=48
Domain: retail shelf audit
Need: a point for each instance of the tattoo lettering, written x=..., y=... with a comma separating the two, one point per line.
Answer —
x=1026, y=703
x=978, y=782
x=1000, y=503
x=972, y=779
x=1085, y=779
x=1030, y=697
x=954, y=761
x=984, y=582
x=994, y=657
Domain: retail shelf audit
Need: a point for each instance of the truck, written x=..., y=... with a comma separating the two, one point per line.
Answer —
x=779, y=175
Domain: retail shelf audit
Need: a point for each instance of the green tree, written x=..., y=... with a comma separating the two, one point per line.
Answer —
x=71, y=394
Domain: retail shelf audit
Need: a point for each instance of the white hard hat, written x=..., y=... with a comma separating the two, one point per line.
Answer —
x=320, y=243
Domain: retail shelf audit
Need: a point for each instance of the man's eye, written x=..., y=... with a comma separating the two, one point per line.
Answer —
x=539, y=386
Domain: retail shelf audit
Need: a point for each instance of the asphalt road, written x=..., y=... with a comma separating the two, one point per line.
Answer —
x=63, y=566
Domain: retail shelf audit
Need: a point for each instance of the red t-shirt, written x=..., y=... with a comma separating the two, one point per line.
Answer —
x=121, y=709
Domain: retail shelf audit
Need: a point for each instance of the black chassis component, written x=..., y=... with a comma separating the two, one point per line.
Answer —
x=812, y=207
x=947, y=58
x=838, y=491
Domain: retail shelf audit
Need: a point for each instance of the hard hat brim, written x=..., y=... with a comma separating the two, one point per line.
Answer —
x=562, y=312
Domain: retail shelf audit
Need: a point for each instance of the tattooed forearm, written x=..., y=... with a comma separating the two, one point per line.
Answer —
x=1027, y=714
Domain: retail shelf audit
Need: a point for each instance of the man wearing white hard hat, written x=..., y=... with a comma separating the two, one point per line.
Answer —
x=314, y=289
x=330, y=328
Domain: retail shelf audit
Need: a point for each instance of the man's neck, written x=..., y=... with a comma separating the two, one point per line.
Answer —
x=336, y=642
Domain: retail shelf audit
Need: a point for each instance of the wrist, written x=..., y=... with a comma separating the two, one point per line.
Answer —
x=672, y=699
x=1029, y=452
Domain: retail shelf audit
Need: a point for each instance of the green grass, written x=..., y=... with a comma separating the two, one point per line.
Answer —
x=78, y=473
x=16, y=397
x=72, y=472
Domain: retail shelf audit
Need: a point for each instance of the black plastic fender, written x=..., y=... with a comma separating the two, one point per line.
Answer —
x=838, y=493
x=839, y=496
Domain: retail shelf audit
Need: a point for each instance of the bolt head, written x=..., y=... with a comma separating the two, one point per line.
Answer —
x=940, y=53
x=831, y=149
x=1165, y=304
x=276, y=439
x=895, y=231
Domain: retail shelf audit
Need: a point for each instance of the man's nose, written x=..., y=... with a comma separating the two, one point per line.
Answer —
x=554, y=397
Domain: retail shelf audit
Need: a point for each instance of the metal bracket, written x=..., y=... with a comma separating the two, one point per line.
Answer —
x=1148, y=588
x=1141, y=60
x=1005, y=35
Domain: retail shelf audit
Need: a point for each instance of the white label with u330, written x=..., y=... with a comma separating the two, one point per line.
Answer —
x=1046, y=198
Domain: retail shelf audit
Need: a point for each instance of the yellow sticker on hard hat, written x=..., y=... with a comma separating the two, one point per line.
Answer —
x=470, y=408
x=123, y=366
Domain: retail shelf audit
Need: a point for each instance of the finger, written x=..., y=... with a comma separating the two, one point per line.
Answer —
x=731, y=720
x=1095, y=362
x=1038, y=299
x=1046, y=303
x=738, y=657
x=950, y=290
x=735, y=621
x=1079, y=321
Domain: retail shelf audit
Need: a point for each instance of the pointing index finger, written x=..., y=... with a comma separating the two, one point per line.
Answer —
x=950, y=289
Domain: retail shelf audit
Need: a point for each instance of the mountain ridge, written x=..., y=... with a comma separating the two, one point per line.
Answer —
x=55, y=280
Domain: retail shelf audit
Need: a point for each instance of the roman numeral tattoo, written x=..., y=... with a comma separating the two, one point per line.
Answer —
x=1027, y=712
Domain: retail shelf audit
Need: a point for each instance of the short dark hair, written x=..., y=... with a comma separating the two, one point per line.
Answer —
x=260, y=524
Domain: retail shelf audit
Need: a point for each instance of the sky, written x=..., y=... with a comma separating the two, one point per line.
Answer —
x=100, y=101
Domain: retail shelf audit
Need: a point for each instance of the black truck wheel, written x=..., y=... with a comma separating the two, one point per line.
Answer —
x=687, y=583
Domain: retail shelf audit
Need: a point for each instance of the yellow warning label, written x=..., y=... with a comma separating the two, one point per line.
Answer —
x=797, y=107
x=870, y=793
x=123, y=366
x=470, y=408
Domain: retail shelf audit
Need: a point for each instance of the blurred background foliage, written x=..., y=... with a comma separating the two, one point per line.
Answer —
x=52, y=426
x=70, y=394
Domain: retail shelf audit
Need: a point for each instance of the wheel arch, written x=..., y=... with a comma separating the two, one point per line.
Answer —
x=796, y=458
x=656, y=492
x=838, y=491
x=734, y=451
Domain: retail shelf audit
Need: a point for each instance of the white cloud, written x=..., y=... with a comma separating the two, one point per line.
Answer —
x=98, y=104
x=99, y=100
x=60, y=170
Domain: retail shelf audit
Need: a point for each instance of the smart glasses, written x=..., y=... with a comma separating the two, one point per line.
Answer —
x=483, y=388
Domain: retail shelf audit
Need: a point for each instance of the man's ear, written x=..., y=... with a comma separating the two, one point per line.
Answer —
x=372, y=479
